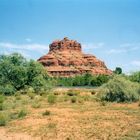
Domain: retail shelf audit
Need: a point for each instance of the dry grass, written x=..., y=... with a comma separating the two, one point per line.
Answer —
x=73, y=121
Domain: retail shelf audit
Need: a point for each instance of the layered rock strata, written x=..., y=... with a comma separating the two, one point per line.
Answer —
x=65, y=58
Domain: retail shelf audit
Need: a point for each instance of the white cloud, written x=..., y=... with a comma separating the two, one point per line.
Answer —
x=91, y=46
x=112, y=51
x=28, y=50
x=40, y=48
x=9, y=51
x=124, y=48
x=136, y=63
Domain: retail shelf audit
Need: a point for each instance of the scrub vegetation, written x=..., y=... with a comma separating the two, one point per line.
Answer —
x=82, y=107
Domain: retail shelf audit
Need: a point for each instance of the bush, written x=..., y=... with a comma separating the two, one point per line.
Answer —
x=27, y=89
x=1, y=106
x=93, y=92
x=14, y=115
x=135, y=77
x=103, y=103
x=86, y=98
x=18, y=96
x=3, y=119
x=101, y=79
x=83, y=80
x=38, y=82
x=2, y=98
x=51, y=98
x=119, y=89
x=31, y=95
x=22, y=113
x=65, y=98
x=7, y=89
x=36, y=105
x=139, y=103
x=73, y=99
x=73, y=92
x=46, y=113
x=80, y=100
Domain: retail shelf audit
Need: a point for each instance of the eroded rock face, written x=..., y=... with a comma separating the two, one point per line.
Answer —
x=65, y=58
x=65, y=45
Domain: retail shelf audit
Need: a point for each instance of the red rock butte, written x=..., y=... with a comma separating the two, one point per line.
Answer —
x=65, y=58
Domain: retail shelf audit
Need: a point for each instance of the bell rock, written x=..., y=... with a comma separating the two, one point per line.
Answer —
x=65, y=58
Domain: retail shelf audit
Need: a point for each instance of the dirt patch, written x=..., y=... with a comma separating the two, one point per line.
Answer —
x=73, y=121
x=5, y=135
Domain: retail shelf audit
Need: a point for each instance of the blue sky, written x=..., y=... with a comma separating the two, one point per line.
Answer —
x=109, y=29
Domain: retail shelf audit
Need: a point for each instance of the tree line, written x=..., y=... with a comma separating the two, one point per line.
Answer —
x=19, y=74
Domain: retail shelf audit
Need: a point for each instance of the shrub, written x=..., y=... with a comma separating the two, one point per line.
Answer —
x=36, y=105
x=17, y=96
x=51, y=98
x=56, y=93
x=119, y=89
x=135, y=77
x=22, y=113
x=3, y=119
x=27, y=89
x=65, y=98
x=14, y=115
x=103, y=103
x=101, y=79
x=1, y=106
x=38, y=83
x=73, y=93
x=83, y=80
x=9, y=103
x=38, y=98
x=73, y=99
x=93, y=92
x=86, y=98
x=46, y=113
x=139, y=103
x=2, y=98
x=7, y=89
x=31, y=95
x=80, y=100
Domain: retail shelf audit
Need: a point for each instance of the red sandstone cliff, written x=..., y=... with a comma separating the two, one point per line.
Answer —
x=65, y=58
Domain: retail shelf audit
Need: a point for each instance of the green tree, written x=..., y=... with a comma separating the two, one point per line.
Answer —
x=101, y=79
x=17, y=73
x=118, y=70
x=93, y=81
x=87, y=79
x=135, y=77
x=34, y=69
x=13, y=70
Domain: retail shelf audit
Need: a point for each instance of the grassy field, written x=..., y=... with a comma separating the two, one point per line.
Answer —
x=67, y=117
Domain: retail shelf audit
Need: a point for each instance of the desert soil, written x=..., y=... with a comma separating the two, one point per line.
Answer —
x=89, y=121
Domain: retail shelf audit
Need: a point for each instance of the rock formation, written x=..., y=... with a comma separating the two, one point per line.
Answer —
x=65, y=58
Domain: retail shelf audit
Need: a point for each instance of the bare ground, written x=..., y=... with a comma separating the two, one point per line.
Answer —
x=76, y=121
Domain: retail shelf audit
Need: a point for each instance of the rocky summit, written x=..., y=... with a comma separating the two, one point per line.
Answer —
x=65, y=58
